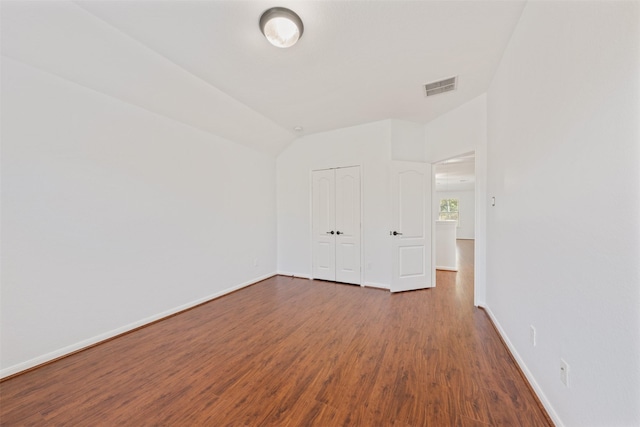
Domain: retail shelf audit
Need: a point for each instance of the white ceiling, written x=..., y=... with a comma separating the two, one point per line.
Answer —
x=457, y=174
x=206, y=63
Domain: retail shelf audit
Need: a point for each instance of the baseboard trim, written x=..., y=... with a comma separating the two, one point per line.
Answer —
x=298, y=275
x=544, y=403
x=376, y=285
x=51, y=357
x=439, y=267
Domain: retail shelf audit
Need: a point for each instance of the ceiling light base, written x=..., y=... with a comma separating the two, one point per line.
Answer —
x=281, y=26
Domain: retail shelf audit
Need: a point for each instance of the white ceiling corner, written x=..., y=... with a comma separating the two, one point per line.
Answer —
x=206, y=63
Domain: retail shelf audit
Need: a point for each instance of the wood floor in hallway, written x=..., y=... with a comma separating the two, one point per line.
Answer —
x=293, y=352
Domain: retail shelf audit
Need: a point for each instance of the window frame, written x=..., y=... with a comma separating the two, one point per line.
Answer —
x=449, y=212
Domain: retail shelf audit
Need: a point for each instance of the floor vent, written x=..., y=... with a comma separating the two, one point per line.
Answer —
x=441, y=86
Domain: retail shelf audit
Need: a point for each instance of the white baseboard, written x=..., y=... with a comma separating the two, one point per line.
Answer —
x=440, y=267
x=536, y=388
x=299, y=275
x=23, y=366
x=376, y=285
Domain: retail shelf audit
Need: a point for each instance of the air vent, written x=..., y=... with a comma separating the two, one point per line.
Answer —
x=441, y=86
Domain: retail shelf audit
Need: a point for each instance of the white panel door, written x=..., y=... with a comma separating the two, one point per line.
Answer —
x=348, y=225
x=411, y=233
x=323, y=227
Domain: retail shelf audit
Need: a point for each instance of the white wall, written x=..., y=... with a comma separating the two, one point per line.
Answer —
x=564, y=236
x=459, y=131
x=466, y=206
x=407, y=141
x=366, y=145
x=113, y=216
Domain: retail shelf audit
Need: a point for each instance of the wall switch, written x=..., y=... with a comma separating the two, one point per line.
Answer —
x=532, y=335
x=255, y=262
x=564, y=372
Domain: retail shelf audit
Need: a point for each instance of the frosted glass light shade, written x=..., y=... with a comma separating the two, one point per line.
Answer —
x=282, y=27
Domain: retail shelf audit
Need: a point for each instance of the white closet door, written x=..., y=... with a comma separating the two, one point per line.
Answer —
x=411, y=234
x=348, y=225
x=323, y=227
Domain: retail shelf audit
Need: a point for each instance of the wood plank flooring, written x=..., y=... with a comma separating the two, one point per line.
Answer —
x=293, y=352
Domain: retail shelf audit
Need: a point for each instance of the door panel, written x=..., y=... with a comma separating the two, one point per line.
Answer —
x=411, y=192
x=411, y=198
x=411, y=261
x=323, y=217
x=348, y=224
x=325, y=256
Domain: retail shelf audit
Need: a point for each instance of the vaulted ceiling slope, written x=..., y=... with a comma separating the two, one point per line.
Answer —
x=206, y=63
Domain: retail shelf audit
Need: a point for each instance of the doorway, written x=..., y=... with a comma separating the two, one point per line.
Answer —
x=454, y=209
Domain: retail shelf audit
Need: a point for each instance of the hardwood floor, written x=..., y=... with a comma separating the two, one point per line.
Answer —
x=293, y=352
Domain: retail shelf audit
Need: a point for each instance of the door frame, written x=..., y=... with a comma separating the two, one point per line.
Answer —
x=310, y=199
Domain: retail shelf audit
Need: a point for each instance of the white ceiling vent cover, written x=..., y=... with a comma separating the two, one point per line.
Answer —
x=441, y=86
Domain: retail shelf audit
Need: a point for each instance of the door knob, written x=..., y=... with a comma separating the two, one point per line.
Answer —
x=330, y=232
x=395, y=233
x=339, y=232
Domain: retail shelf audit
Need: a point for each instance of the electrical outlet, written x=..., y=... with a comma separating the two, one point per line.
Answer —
x=564, y=372
x=532, y=335
x=255, y=262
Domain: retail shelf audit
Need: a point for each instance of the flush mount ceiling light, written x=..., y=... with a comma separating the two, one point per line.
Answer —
x=281, y=26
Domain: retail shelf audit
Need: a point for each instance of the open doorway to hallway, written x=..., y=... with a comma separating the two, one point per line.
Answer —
x=453, y=199
x=460, y=284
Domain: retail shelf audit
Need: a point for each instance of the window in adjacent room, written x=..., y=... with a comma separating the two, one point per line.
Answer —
x=449, y=210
